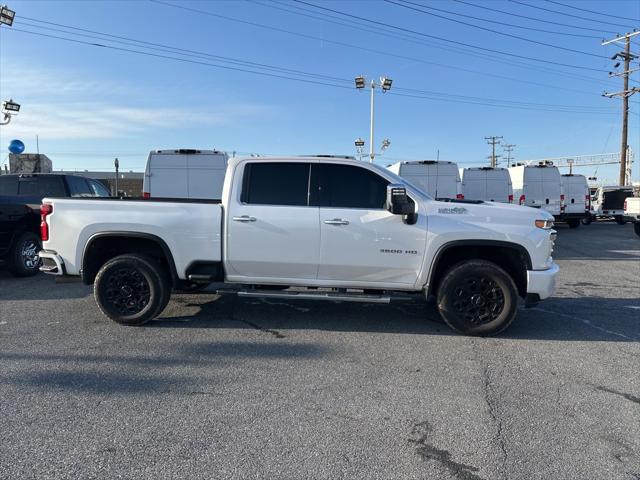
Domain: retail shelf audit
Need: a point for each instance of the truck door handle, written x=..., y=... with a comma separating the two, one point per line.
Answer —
x=336, y=221
x=244, y=218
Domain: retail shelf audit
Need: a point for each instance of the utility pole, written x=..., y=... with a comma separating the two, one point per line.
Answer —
x=508, y=147
x=626, y=92
x=493, y=141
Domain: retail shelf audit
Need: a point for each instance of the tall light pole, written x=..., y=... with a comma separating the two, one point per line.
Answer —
x=385, y=85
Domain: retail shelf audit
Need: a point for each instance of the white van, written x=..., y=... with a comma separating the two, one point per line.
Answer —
x=439, y=179
x=184, y=174
x=537, y=186
x=487, y=183
x=575, y=198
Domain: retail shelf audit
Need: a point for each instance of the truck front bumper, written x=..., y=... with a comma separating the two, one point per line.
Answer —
x=541, y=284
x=52, y=263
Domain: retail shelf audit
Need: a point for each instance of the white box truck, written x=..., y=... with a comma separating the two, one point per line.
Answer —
x=440, y=179
x=537, y=186
x=487, y=183
x=575, y=199
x=185, y=173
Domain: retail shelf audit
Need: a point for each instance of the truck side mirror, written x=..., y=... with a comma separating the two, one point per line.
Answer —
x=399, y=203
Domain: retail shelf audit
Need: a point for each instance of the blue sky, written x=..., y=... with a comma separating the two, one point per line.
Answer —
x=90, y=104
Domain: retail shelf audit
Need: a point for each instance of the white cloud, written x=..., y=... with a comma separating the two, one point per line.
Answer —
x=105, y=120
x=60, y=104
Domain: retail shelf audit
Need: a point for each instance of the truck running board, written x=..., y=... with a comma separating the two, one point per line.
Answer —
x=305, y=295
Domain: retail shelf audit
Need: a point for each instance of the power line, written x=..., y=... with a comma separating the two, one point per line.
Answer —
x=593, y=11
x=554, y=32
x=394, y=55
x=568, y=14
x=431, y=96
x=449, y=41
x=533, y=18
x=491, y=30
x=466, y=51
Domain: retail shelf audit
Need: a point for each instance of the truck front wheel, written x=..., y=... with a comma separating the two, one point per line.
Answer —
x=477, y=297
x=131, y=289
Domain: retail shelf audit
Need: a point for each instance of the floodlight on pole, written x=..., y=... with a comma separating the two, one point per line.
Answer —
x=385, y=144
x=359, y=146
x=385, y=86
x=6, y=16
x=9, y=108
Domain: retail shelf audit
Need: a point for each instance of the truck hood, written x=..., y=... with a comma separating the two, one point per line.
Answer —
x=488, y=212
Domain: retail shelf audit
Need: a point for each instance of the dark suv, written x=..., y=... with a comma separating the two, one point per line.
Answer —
x=20, y=199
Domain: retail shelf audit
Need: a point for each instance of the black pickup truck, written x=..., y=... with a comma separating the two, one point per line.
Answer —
x=20, y=198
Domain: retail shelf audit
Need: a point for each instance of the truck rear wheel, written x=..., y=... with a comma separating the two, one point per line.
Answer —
x=636, y=228
x=23, y=259
x=477, y=297
x=620, y=220
x=132, y=289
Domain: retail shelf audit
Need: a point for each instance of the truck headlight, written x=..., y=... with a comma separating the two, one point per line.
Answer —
x=546, y=224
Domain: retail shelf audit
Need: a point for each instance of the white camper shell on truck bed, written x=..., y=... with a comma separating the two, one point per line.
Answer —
x=185, y=173
x=440, y=179
x=575, y=198
x=608, y=202
x=537, y=186
x=487, y=183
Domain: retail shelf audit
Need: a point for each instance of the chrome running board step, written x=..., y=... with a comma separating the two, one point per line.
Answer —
x=305, y=295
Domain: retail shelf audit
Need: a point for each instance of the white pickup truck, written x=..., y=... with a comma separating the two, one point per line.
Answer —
x=632, y=212
x=341, y=229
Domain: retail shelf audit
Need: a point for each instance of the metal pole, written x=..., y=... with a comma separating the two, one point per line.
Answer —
x=117, y=165
x=371, y=146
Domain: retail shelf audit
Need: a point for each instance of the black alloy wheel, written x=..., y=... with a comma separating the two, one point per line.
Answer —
x=132, y=289
x=477, y=297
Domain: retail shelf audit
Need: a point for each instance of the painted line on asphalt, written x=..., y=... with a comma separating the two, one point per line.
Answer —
x=587, y=322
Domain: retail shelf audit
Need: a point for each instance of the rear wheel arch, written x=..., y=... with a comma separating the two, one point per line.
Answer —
x=511, y=257
x=102, y=247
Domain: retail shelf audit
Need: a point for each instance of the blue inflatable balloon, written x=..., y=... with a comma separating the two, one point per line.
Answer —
x=16, y=146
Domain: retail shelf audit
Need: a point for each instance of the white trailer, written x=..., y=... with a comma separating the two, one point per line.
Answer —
x=440, y=179
x=197, y=174
x=487, y=183
x=537, y=186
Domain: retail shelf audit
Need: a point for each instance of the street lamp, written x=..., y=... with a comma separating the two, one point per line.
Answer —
x=9, y=108
x=385, y=86
x=359, y=146
x=6, y=16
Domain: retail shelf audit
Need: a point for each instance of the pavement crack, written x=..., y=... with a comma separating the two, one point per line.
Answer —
x=426, y=451
x=627, y=396
x=488, y=394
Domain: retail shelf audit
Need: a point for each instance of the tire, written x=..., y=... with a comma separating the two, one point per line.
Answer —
x=23, y=259
x=573, y=223
x=477, y=297
x=636, y=228
x=587, y=220
x=620, y=220
x=190, y=287
x=132, y=289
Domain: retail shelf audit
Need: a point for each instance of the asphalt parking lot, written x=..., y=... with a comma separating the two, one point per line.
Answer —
x=226, y=387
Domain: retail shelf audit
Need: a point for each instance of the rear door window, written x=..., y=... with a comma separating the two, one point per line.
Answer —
x=348, y=186
x=41, y=185
x=98, y=189
x=271, y=183
x=8, y=185
x=78, y=187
